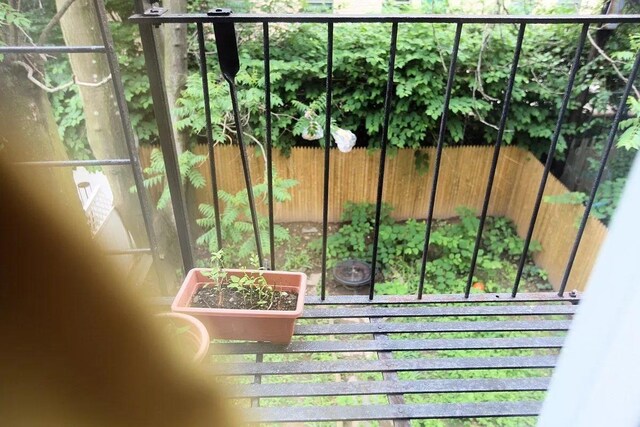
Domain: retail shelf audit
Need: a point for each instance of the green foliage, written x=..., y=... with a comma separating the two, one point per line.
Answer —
x=249, y=287
x=630, y=138
x=400, y=248
x=421, y=161
x=136, y=85
x=235, y=220
x=354, y=238
x=607, y=198
x=68, y=111
x=67, y=104
x=311, y=119
x=604, y=205
x=215, y=267
x=298, y=71
x=155, y=174
x=10, y=16
x=570, y=198
x=251, y=101
x=453, y=249
x=296, y=258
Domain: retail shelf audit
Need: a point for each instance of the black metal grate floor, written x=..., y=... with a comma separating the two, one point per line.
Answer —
x=394, y=358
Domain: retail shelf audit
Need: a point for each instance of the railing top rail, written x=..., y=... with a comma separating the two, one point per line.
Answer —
x=176, y=18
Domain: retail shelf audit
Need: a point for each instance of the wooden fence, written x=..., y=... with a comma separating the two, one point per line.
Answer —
x=462, y=182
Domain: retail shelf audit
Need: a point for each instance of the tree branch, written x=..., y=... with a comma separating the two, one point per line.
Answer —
x=44, y=35
x=485, y=41
x=256, y=141
x=38, y=83
x=612, y=62
x=435, y=37
x=487, y=32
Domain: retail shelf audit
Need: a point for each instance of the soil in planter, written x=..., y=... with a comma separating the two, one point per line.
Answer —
x=214, y=296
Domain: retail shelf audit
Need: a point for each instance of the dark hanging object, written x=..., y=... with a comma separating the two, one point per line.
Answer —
x=227, y=47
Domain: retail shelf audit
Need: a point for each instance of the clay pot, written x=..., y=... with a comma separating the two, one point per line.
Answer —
x=251, y=325
x=195, y=340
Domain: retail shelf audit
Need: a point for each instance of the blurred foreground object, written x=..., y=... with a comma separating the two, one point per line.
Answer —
x=77, y=348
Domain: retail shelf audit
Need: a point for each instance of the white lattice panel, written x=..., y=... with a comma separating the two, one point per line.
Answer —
x=98, y=208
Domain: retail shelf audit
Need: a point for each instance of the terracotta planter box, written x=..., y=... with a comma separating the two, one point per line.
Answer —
x=251, y=325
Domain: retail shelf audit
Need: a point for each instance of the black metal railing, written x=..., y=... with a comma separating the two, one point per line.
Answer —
x=223, y=23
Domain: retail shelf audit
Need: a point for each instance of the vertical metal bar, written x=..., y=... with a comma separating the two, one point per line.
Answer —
x=257, y=379
x=165, y=135
x=436, y=169
x=552, y=149
x=207, y=113
x=230, y=65
x=383, y=153
x=596, y=183
x=136, y=168
x=246, y=170
x=267, y=113
x=327, y=148
x=496, y=154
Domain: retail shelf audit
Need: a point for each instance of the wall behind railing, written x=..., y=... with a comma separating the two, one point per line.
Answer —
x=462, y=182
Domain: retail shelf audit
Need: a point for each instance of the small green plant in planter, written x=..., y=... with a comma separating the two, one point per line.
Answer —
x=258, y=305
x=246, y=291
x=215, y=272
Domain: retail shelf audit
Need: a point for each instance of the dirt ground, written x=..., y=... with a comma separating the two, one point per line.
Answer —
x=302, y=234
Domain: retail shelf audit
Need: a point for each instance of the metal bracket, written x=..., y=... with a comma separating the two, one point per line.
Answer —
x=219, y=11
x=154, y=10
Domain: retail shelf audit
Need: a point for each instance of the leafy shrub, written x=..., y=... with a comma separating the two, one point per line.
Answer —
x=298, y=55
x=630, y=137
x=250, y=100
x=401, y=244
x=296, y=258
x=604, y=205
x=155, y=174
x=235, y=221
x=354, y=239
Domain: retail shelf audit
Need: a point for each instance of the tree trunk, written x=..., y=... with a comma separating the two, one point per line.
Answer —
x=174, y=73
x=104, y=128
x=28, y=132
x=174, y=44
